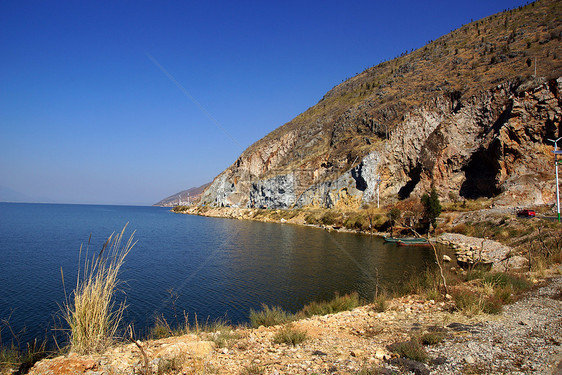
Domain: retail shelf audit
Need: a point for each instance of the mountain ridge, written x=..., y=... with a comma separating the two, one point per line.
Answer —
x=189, y=196
x=468, y=75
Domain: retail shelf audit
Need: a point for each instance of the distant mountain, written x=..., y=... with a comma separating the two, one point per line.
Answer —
x=184, y=197
x=469, y=113
x=9, y=195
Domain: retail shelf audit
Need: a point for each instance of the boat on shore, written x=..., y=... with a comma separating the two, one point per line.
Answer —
x=414, y=242
x=406, y=241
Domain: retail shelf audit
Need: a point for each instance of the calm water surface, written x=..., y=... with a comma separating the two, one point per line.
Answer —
x=215, y=268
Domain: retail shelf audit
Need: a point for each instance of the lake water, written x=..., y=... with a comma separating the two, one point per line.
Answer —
x=213, y=267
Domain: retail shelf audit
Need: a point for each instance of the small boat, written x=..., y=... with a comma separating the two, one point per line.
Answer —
x=404, y=239
x=413, y=242
x=391, y=239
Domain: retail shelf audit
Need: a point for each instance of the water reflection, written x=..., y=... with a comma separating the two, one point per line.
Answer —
x=213, y=266
x=289, y=266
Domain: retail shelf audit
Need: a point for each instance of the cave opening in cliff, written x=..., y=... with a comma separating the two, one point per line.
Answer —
x=481, y=173
x=415, y=176
x=552, y=130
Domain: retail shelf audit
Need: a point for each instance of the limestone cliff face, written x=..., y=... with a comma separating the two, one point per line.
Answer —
x=492, y=144
x=465, y=113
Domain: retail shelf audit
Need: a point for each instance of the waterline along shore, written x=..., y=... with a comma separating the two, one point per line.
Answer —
x=409, y=334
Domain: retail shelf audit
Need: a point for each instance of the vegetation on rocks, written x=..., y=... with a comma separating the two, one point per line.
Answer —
x=432, y=338
x=269, y=316
x=13, y=357
x=412, y=349
x=275, y=315
x=339, y=303
x=90, y=310
x=432, y=207
x=289, y=335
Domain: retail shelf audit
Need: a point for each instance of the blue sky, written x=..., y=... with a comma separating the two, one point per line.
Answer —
x=87, y=116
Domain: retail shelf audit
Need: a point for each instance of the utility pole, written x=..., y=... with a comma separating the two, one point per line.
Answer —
x=378, y=180
x=556, y=153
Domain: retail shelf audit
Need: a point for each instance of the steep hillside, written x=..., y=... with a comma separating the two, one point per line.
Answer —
x=466, y=113
x=192, y=195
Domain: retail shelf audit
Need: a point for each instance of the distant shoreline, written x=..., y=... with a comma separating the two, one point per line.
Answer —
x=252, y=214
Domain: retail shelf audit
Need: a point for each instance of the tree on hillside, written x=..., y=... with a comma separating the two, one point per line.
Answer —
x=432, y=207
x=393, y=216
x=411, y=211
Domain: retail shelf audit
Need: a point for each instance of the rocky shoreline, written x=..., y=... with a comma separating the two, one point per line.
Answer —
x=524, y=339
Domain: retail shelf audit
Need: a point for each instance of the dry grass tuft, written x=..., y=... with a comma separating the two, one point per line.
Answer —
x=339, y=303
x=90, y=310
x=269, y=316
x=290, y=335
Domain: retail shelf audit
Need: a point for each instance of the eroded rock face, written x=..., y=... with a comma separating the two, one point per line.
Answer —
x=276, y=192
x=493, y=144
x=352, y=189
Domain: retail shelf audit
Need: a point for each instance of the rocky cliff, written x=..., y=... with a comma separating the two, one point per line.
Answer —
x=466, y=113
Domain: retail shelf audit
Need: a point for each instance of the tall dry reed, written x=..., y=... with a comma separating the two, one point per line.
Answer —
x=90, y=310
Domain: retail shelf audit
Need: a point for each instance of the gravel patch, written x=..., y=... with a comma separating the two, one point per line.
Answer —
x=525, y=339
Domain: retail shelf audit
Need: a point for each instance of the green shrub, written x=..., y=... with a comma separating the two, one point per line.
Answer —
x=412, y=349
x=380, y=302
x=13, y=358
x=433, y=294
x=331, y=218
x=432, y=207
x=422, y=283
x=224, y=337
x=269, y=316
x=357, y=222
x=432, y=338
x=475, y=274
x=311, y=219
x=290, y=336
x=500, y=288
x=9, y=358
x=467, y=301
x=339, y=303
x=213, y=326
x=503, y=294
x=492, y=305
x=516, y=283
x=160, y=329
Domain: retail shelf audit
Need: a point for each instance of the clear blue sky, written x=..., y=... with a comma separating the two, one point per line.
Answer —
x=87, y=117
